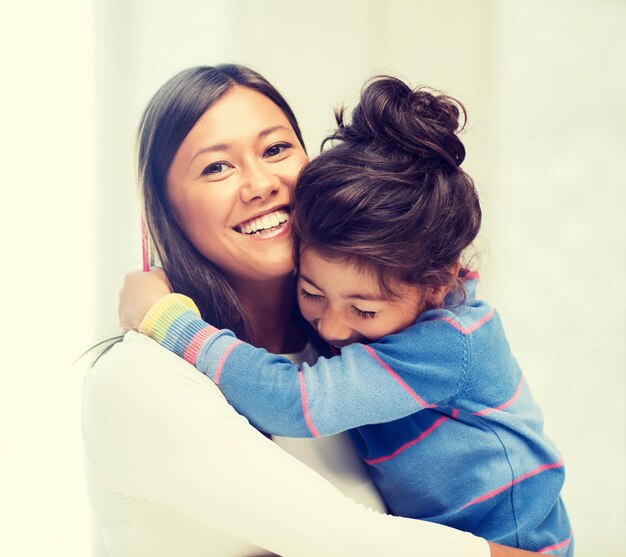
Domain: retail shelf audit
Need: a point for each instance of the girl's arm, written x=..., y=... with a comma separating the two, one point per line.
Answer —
x=335, y=394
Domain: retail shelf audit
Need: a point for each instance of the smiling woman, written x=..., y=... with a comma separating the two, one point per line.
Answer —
x=230, y=198
x=206, y=177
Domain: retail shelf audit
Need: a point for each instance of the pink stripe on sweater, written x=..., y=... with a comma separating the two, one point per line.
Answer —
x=504, y=404
x=220, y=364
x=556, y=546
x=490, y=494
x=198, y=340
x=471, y=328
x=404, y=447
x=305, y=406
x=398, y=379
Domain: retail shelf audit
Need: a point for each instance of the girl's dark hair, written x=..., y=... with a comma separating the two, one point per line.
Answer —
x=390, y=194
x=168, y=118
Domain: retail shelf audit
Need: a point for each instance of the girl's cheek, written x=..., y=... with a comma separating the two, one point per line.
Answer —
x=305, y=309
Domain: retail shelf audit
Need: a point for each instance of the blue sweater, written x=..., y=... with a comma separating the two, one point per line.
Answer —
x=439, y=412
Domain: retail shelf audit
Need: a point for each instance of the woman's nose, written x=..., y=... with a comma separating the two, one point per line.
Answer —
x=258, y=182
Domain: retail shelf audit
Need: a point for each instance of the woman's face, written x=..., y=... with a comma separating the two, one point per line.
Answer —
x=230, y=181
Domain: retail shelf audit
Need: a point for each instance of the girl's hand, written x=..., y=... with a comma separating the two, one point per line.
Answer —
x=139, y=293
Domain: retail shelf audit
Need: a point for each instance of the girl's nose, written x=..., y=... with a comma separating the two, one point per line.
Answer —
x=258, y=183
x=332, y=329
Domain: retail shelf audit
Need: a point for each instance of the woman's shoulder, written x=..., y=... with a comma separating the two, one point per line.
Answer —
x=140, y=371
x=140, y=401
x=138, y=357
x=137, y=379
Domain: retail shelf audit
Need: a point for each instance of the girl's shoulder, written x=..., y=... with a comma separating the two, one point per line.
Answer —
x=465, y=319
x=464, y=311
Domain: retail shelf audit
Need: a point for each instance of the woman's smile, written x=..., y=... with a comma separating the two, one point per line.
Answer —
x=268, y=224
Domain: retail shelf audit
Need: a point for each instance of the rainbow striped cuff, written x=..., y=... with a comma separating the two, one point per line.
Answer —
x=161, y=317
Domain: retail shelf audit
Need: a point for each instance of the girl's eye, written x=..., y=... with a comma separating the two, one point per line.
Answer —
x=216, y=168
x=276, y=149
x=308, y=296
x=364, y=314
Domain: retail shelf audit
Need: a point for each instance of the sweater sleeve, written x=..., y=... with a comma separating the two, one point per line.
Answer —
x=421, y=367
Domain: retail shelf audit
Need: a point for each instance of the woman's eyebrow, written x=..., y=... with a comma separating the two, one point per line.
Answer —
x=272, y=129
x=211, y=148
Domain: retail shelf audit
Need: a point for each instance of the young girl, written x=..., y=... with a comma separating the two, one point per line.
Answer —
x=425, y=381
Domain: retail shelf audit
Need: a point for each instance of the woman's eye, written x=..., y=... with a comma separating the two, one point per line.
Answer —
x=277, y=149
x=364, y=314
x=216, y=168
x=308, y=296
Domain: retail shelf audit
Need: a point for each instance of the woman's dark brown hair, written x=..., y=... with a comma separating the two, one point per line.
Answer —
x=167, y=120
x=390, y=194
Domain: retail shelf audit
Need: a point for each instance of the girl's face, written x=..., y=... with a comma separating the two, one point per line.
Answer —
x=229, y=185
x=345, y=303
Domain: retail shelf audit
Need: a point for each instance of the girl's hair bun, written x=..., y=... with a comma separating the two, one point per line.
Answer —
x=421, y=123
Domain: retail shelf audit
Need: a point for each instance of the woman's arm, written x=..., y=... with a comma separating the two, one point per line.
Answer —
x=158, y=431
x=497, y=550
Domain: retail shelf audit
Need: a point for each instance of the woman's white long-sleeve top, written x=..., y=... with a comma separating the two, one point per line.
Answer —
x=172, y=469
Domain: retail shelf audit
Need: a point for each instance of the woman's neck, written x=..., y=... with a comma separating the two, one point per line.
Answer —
x=269, y=308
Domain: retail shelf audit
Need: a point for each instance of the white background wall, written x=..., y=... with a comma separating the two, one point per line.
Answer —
x=544, y=85
x=48, y=268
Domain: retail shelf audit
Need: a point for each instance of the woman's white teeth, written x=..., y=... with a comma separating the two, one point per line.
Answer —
x=265, y=222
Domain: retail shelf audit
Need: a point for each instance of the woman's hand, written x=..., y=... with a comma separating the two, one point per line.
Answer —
x=498, y=550
x=139, y=293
